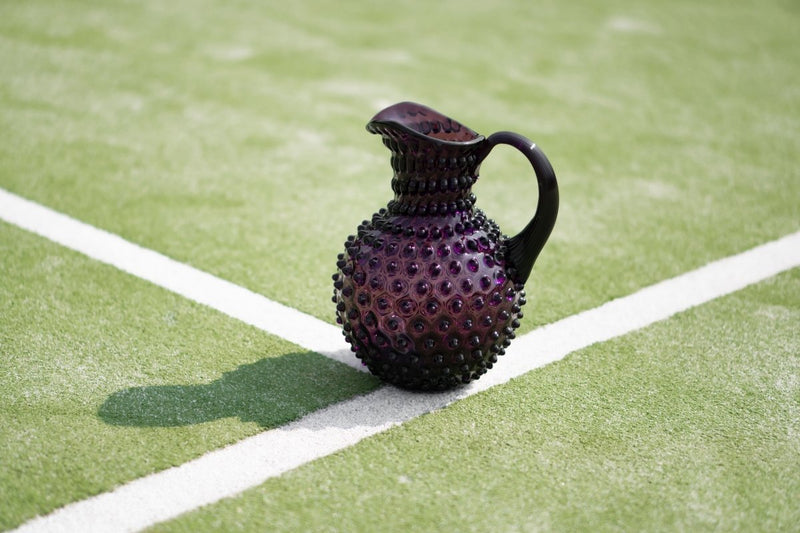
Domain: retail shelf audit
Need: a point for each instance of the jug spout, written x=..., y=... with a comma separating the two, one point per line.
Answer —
x=409, y=119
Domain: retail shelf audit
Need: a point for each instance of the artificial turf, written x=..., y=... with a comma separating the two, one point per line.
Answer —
x=691, y=424
x=105, y=378
x=229, y=135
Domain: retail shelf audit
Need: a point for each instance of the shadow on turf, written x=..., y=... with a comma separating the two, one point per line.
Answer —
x=269, y=392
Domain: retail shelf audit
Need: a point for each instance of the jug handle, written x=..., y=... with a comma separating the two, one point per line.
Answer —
x=523, y=249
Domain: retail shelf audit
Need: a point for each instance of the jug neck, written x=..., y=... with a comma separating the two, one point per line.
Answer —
x=435, y=182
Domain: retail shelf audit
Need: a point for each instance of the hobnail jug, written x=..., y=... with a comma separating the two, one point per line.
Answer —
x=429, y=292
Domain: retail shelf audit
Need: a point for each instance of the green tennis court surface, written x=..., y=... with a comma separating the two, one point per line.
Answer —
x=691, y=424
x=230, y=137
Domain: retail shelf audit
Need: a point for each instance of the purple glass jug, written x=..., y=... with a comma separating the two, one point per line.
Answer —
x=429, y=291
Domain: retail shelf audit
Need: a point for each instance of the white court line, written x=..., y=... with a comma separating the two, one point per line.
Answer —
x=249, y=307
x=230, y=470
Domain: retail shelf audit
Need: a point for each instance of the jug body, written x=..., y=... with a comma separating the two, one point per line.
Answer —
x=426, y=302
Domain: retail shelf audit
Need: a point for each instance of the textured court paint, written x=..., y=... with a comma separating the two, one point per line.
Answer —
x=233, y=300
x=229, y=471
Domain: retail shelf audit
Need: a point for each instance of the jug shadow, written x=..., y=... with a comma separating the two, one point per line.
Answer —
x=269, y=392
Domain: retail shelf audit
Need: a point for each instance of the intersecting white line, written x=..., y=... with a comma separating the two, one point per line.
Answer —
x=228, y=471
